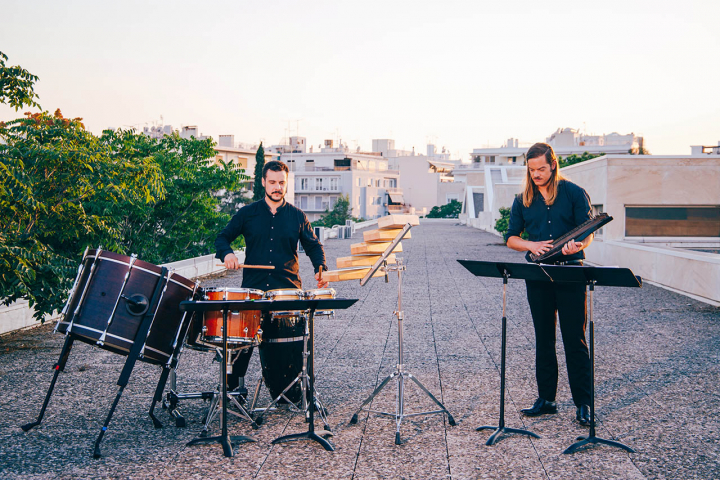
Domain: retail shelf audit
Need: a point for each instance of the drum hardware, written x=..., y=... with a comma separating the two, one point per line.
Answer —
x=137, y=304
x=139, y=337
x=101, y=340
x=303, y=379
x=400, y=373
x=81, y=268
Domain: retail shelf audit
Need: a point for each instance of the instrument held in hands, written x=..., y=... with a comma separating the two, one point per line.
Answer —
x=579, y=233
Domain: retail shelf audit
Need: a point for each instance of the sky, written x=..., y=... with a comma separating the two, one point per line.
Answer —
x=459, y=74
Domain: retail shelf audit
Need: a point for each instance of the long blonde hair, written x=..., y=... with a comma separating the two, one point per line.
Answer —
x=529, y=188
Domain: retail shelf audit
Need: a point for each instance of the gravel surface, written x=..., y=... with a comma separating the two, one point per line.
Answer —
x=657, y=373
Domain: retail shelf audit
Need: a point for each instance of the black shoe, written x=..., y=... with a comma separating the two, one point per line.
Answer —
x=583, y=415
x=541, y=407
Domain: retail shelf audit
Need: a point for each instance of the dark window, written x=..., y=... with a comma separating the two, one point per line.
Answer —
x=343, y=164
x=672, y=221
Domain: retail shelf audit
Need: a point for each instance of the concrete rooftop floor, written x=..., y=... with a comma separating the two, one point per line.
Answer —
x=657, y=373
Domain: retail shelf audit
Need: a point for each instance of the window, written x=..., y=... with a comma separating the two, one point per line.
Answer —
x=369, y=182
x=490, y=158
x=596, y=209
x=672, y=221
x=318, y=202
x=377, y=183
x=304, y=183
x=303, y=202
x=359, y=180
x=449, y=197
x=333, y=201
x=310, y=165
x=334, y=183
x=318, y=184
x=343, y=164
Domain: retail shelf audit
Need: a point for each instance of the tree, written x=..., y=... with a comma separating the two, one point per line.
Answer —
x=16, y=85
x=60, y=191
x=502, y=224
x=573, y=159
x=451, y=209
x=258, y=189
x=338, y=216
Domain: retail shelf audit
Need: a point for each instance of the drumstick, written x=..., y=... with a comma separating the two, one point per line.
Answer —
x=260, y=267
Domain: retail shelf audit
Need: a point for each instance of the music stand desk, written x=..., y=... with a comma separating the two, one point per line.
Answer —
x=591, y=276
x=505, y=270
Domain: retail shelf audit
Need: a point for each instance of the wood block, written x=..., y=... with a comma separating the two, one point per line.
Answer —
x=389, y=222
x=362, y=261
x=383, y=235
x=349, y=274
x=372, y=248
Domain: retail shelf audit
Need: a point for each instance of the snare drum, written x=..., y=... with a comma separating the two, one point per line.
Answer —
x=242, y=326
x=111, y=297
x=324, y=294
x=285, y=294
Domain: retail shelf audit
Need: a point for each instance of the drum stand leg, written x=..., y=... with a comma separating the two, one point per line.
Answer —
x=308, y=382
x=400, y=374
x=132, y=357
x=224, y=438
x=59, y=367
x=158, y=395
x=501, y=428
x=304, y=379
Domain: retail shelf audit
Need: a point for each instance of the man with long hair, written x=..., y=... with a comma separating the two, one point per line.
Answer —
x=272, y=228
x=549, y=207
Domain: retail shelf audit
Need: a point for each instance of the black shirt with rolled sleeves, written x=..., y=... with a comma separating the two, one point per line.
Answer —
x=548, y=222
x=271, y=240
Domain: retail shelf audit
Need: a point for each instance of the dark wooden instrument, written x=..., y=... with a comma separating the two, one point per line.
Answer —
x=579, y=233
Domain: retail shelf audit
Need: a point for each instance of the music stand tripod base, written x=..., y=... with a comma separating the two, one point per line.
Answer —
x=400, y=374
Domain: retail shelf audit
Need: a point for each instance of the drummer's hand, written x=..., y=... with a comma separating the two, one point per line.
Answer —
x=321, y=283
x=231, y=262
x=538, y=248
x=572, y=247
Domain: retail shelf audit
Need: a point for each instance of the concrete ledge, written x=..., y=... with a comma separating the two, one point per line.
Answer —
x=694, y=273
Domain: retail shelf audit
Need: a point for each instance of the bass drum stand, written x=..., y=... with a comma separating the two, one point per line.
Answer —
x=400, y=373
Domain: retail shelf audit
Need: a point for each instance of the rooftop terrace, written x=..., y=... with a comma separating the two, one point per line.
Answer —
x=657, y=372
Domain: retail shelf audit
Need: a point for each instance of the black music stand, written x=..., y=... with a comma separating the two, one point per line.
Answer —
x=591, y=276
x=505, y=270
x=267, y=306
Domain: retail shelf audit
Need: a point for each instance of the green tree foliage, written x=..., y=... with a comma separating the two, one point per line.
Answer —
x=573, y=159
x=16, y=85
x=340, y=213
x=502, y=224
x=449, y=210
x=258, y=189
x=61, y=190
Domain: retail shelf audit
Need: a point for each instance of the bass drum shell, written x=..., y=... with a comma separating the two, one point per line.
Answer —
x=281, y=355
x=98, y=291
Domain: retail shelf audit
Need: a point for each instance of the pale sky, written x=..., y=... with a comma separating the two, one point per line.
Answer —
x=461, y=74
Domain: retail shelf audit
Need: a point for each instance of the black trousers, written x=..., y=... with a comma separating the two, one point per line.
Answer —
x=548, y=301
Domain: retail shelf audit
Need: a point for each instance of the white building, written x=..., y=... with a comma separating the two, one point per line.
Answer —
x=321, y=177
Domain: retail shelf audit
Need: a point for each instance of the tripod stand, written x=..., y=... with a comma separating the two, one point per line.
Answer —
x=591, y=276
x=400, y=374
x=504, y=270
x=303, y=379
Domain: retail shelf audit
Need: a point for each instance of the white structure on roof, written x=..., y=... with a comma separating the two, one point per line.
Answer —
x=320, y=178
x=567, y=141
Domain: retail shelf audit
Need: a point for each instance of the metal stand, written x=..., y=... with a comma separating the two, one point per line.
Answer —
x=307, y=384
x=501, y=428
x=223, y=439
x=304, y=379
x=400, y=374
x=232, y=396
x=591, y=438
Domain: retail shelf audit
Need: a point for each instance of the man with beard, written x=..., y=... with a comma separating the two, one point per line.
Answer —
x=272, y=228
x=549, y=207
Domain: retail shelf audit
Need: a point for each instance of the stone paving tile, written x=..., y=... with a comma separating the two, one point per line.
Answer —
x=657, y=370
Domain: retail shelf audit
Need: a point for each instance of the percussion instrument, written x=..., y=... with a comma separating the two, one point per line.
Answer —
x=243, y=326
x=286, y=294
x=110, y=297
x=321, y=293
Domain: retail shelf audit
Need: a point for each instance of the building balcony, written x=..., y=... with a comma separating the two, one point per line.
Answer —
x=318, y=190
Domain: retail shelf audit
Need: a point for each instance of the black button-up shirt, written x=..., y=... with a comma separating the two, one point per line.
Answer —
x=271, y=240
x=548, y=222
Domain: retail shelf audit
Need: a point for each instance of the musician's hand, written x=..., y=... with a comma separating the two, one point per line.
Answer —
x=572, y=247
x=538, y=248
x=321, y=282
x=231, y=262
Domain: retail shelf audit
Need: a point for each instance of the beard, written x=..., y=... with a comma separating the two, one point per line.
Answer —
x=269, y=195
